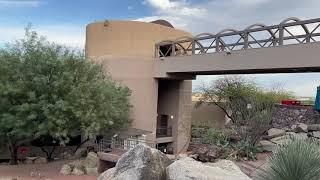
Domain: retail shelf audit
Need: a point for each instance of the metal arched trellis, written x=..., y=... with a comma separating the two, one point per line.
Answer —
x=289, y=31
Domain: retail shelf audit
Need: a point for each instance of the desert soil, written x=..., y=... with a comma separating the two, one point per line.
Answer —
x=38, y=171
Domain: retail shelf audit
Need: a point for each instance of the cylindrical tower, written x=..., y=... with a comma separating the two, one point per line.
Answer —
x=127, y=50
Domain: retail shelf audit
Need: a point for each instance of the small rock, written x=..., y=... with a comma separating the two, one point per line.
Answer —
x=92, y=160
x=30, y=160
x=315, y=134
x=287, y=129
x=314, y=127
x=92, y=171
x=301, y=127
x=180, y=156
x=193, y=156
x=41, y=160
x=293, y=127
x=207, y=153
x=274, y=132
x=66, y=169
x=281, y=140
x=76, y=164
x=268, y=146
x=171, y=156
x=302, y=136
x=78, y=171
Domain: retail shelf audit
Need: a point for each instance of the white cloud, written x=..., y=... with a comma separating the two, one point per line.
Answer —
x=214, y=15
x=70, y=35
x=176, y=8
x=19, y=3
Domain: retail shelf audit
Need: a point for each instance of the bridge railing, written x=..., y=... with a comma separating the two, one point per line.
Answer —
x=289, y=31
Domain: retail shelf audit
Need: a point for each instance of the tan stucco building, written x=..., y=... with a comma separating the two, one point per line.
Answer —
x=127, y=51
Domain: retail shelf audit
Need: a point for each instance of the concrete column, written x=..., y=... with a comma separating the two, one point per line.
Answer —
x=174, y=100
x=184, y=117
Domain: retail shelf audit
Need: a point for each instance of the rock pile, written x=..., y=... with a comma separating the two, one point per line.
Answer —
x=81, y=167
x=145, y=163
x=276, y=137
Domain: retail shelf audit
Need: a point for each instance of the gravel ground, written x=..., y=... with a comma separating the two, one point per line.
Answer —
x=38, y=171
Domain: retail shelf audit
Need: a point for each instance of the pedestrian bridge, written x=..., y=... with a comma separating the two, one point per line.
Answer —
x=289, y=47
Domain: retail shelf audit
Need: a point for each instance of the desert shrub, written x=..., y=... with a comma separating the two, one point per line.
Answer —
x=198, y=132
x=246, y=149
x=296, y=160
x=248, y=106
x=216, y=137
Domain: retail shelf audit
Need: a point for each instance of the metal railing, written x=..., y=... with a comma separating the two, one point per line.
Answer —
x=122, y=144
x=289, y=31
x=164, y=132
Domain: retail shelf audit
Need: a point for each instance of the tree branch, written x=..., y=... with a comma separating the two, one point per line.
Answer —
x=81, y=144
x=225, y=111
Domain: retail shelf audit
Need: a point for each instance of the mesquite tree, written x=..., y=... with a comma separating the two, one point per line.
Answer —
x=51, y=90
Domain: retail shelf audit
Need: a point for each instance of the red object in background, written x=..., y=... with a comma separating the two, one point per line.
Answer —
x=290, y=102
x=23, y=151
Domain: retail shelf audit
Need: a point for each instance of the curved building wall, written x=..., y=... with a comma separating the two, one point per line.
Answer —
x=127, y=38
x=126, y=49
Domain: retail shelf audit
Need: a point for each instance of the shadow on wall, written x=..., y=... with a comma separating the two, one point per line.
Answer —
x=208, y=115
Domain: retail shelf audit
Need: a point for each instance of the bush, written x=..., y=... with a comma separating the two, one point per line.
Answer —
x=246, y=149
x=216, y=137
x=198, y=132
x=297, y=160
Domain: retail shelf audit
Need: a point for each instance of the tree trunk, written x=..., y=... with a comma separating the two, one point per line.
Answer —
x=79, y=145
x=13, y=154
x=49, y=154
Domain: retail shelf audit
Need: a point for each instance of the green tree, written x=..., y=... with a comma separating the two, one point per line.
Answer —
x=51, y=90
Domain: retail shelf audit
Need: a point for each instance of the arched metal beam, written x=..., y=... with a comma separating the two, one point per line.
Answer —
x=282, y=27
x=295, y=19
x=260, y=25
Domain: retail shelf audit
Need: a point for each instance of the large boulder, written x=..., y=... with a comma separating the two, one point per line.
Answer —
x=189, y=169
x=140, y=163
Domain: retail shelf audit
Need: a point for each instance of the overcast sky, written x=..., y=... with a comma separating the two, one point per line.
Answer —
x=64, y=22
